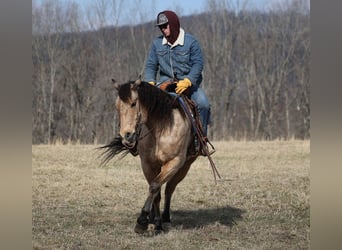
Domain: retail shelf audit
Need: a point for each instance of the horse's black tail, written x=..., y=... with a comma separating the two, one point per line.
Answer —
x=112, y=149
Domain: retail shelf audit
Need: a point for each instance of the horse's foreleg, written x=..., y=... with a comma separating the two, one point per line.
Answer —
x=170, y=188
x=151, y=207
x=147, y=215
x=154, y=191
x=150, y=213
x=155, y=214
x=166, y=173
x=153, y=199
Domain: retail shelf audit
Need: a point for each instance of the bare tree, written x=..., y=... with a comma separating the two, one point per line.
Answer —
x=256, y=70
x=216, y=37
x=49, y=21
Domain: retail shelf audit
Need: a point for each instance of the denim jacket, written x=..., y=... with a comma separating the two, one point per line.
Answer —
x=183, y=59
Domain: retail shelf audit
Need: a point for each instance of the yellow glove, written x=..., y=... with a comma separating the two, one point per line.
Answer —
x=182, y=85
x=152, y=83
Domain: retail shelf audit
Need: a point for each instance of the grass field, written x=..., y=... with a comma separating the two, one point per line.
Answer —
x=261, y=202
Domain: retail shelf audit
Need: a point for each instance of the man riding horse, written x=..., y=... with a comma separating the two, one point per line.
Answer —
x=158, y=126
x=178, y=57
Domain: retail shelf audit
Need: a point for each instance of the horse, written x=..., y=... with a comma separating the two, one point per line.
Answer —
x=154, y=126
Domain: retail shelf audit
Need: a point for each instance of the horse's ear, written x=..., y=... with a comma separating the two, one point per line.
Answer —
x=115, y=84
x=138, y=82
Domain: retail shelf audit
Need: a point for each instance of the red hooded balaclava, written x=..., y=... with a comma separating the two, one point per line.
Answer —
x=174, y=25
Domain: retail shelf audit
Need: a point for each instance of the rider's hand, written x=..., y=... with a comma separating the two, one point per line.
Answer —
x=182, y=85
x=152, y=83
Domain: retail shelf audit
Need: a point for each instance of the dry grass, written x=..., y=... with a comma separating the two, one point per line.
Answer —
x=262, y=202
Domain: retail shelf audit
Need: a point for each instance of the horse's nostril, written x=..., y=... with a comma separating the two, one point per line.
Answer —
x=129, y=137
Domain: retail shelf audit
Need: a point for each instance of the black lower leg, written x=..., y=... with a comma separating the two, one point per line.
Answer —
x=166, y=212
x=155, y=209
x=143, y=219
x=151, y=217
x=158, y=225
x=154, y=192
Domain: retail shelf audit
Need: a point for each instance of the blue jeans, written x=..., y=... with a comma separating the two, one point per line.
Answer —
x=201, y=99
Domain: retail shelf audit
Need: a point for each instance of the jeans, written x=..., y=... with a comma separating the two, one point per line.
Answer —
x=201, y=99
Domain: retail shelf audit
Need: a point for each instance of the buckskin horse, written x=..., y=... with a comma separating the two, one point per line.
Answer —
x=154, y=126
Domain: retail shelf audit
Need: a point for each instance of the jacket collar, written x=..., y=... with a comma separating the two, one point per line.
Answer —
x=179, y=41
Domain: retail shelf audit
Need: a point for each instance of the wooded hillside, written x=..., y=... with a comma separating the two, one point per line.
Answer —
x=256, y=71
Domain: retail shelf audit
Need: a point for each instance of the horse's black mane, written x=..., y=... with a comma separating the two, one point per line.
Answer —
x=158, y=103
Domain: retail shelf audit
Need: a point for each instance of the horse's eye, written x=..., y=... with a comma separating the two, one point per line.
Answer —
x=133, y=104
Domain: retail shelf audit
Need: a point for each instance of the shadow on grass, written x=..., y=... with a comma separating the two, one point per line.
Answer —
x=197, y=218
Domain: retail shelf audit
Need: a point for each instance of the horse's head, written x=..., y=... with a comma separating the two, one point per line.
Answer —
x=129, y=110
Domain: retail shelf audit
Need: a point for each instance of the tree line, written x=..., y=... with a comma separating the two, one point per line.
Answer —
x=256, y=71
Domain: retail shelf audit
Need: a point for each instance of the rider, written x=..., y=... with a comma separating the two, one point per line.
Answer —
x=177, y=54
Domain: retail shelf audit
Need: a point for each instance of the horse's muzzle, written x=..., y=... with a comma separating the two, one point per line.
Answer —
x=129, y=139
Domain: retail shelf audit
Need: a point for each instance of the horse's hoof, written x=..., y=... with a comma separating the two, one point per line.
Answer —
x=157, y=231
x=151, y=227
x=167, y=226
x=140, y=229
x=154, y=230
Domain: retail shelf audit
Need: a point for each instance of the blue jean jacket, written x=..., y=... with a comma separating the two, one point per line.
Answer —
x=182, y=61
